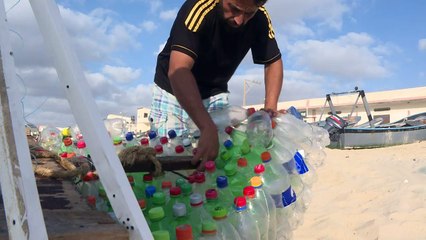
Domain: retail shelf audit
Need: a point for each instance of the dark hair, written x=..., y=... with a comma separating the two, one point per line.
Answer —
x=260, y=2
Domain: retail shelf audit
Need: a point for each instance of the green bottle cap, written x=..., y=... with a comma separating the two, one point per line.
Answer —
x=180, y=182
x=220, y=212
x=225, y=155
x=156, y=213
x=159, y=199
x=186, y=189
x=161, y=235
x=230, y=169
x=209, y=226
x=245, y=147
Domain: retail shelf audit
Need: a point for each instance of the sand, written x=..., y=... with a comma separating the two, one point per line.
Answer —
x=369, y=194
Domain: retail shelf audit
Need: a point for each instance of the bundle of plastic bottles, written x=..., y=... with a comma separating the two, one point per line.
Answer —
x=258, y=187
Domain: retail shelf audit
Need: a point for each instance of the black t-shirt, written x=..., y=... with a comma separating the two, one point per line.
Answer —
x=217, y=49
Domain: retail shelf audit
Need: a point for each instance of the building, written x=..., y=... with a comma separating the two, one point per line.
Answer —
x=142, y=119
x=389, y=105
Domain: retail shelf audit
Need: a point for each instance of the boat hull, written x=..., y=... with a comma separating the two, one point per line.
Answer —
x=377, y=137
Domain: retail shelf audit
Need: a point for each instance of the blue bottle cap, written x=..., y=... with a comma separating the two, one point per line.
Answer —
x=149, y=191
x=129, y=136
x=152, y=134
x=221, y=181
x=172, y=134
x=228, y=144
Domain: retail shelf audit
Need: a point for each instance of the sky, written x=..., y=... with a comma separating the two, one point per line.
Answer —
x=327, y=46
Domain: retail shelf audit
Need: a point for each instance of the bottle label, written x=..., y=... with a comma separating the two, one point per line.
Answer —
x=300, y=164
x=285, y=198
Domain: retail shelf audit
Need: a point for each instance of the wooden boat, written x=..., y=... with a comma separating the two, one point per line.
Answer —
x=373, y=133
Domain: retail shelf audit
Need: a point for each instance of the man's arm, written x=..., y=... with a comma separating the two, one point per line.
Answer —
x=274, y=73
x=186, y=91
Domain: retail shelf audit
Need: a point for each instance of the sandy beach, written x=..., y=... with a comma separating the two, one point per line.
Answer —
x=369, y=194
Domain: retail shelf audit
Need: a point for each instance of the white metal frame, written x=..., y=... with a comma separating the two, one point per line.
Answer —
x=85, y=111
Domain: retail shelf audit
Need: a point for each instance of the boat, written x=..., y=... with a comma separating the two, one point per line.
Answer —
x=345, y=133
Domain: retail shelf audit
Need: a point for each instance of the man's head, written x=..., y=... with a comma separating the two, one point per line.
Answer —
x=238, y=12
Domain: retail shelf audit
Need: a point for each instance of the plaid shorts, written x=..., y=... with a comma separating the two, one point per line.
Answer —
x=167, y=114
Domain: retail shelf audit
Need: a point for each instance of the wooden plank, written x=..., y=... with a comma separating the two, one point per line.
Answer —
x=67, y=216
x=168, y=163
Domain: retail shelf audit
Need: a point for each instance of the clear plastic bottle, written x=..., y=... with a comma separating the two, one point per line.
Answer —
x=153, y=138
x=180, y=217
x=225, y=194
x=259, y=129
x=187, y=144
x=186, y=193
x=258, y=211
x=165, y=187
x=236, y=181
x=209, y=231
x=175, y=197
x=198, y=213
x=82, y=149
x=200, y=186
x=157, y=219
x=212, y=200
x=131, y=140
x=242, y=220
x=224, y=228
x=118, y=144
x=211, y=174
x=268, y=203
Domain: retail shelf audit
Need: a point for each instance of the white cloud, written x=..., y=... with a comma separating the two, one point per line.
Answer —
x=349, y=57
x=160, y=48
x=168, y=14
x=149, y=26
x=326, y=14
x=422, y=44
x=122, y=74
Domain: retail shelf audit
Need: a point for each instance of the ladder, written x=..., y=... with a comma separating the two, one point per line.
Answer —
x=23, y=210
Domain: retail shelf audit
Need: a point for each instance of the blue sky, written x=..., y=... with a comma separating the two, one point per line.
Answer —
x=327, y=46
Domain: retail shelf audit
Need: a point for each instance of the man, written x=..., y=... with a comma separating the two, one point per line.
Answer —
x=207, y=42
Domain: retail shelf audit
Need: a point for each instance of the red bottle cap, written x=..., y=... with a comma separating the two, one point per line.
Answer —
x=147, y=178
x=142, y=203
x=175, y=191
x=249, y=192
x=265, y=156
x=211, y=193
x=144, y=141
x=240, y=202
x=166, y=184
x=179, y=149
x=250, y=111
x=158, y=149
x=184, y=232
x=259, y=169
x=242, y=162
x=164, y=140
x=210, y=166
x=229, y=130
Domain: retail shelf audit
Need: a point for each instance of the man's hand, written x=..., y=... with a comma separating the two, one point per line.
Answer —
x=208, y=147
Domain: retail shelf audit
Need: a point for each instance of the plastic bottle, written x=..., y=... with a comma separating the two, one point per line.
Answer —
x=118, y=144
x=209, y=231
x=149, y=194
x=159, y=200
x=224, y=229
x=225, y=194
x=242, y=220
x=180, y=217
x=159, y=152
x=198, y=213
x=144, y=209
x=195, y=137
x=50, y=139
x=184, y=232
x=258, y=211
x=268, y=203
x=187, y=144
x=81, y=148
x=211, y=174
x=212, y=200
x=165, y=187
x=175, y=197
x=243, y=169
x=68, y=146
x=173, y=139
x=259, y=129
x=157, y=219
x=236, y=181
x=131, y=140
x=200, y=185
x=153, y=138
x=186, y=193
